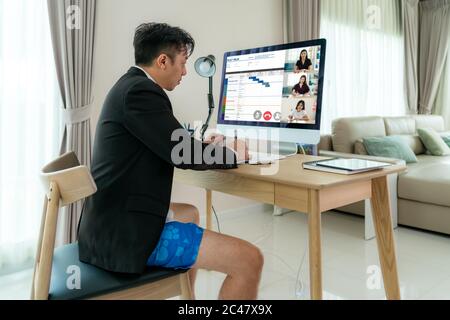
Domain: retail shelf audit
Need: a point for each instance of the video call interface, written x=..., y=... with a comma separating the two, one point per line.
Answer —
x=277, y=86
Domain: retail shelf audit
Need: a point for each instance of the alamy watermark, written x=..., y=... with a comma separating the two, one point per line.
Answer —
x=73, y=17
x=73, y=281
x=187, y=151
x=373, y=17
x=374, y=280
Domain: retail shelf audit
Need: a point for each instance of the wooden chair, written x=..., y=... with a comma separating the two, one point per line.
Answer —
x=56, y=271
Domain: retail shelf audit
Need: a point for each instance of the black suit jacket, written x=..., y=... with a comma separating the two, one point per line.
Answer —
x=133, y=169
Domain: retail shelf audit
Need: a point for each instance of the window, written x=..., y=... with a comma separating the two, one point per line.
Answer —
x=29, y=125
x=364, y=71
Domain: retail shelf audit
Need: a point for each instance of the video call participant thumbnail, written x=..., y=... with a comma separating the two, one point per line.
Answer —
x=304, y=63
x=301, y=88
x=299, y=113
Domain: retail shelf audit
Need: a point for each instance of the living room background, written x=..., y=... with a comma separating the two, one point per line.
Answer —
x=364, y=76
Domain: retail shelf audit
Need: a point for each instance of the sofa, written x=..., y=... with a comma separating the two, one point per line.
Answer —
x=423, y=191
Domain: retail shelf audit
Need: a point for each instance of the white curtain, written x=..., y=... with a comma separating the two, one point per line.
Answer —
x=364, y=72
x=74, y=53
x=434, y=43
x=301, y=20
x=29, y=125
x=442, y=104
x=411, y=41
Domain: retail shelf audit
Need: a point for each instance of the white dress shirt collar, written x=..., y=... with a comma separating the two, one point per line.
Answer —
x=148, y=76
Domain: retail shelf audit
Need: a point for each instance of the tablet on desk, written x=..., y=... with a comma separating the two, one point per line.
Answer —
x=353, y=164
x=346, y=166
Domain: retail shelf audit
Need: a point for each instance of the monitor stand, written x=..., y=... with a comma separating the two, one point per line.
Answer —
x=283, y=148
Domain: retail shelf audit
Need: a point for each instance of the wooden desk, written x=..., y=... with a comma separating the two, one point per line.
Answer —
x=291, y=187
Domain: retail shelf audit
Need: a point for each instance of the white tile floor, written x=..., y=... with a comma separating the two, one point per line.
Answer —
x=423, y=259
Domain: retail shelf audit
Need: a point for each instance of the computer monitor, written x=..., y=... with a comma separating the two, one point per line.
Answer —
x=277, y=89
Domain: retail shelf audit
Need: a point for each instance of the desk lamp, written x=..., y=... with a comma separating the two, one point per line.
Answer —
x=206, y=67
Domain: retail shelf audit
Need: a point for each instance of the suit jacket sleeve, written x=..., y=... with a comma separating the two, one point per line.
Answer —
x=148, y=116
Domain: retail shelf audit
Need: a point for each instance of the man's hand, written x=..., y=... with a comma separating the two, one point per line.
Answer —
x=239, y=146
x=214, y=138
x=241, y=149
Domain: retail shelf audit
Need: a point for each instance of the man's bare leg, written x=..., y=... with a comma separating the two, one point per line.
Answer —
x=241, y=261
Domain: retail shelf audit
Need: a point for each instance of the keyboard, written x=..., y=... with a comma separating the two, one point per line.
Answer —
x=263, y=158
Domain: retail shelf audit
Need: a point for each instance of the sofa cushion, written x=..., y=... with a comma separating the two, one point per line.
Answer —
x=434, y=122
x=446, y=137
x=325, y=143
x=359, y=147
x=346, y=131
x=447, y=140
x=400, y=126
x=389, y=147
x=426, y=181
x=413, y=141
x=433, y=142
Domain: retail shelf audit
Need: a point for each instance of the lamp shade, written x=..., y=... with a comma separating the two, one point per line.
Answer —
x=206, y=66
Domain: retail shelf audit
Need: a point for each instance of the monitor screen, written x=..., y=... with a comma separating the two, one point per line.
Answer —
x=275, y=86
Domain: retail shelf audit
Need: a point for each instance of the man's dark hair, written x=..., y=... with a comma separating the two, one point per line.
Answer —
x=152, y=39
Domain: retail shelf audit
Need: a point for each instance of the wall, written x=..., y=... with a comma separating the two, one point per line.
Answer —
x=217, y=27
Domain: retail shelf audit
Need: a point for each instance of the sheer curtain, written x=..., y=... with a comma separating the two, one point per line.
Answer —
x=442, y=103
x=29, y=125
x=364, y=72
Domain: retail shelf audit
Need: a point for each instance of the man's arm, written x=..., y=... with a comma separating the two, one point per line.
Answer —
x=148, y=116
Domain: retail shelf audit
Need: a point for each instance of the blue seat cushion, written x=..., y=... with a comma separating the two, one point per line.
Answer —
x=73, y=279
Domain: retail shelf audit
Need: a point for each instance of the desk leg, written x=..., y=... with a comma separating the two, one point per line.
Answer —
x=315, y=246
x=381, y=213
x=208, y=209
x=369, y=233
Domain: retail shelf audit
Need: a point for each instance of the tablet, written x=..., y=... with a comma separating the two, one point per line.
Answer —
x=353, y=164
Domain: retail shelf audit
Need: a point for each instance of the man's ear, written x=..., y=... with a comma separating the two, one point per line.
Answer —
x=162, y=61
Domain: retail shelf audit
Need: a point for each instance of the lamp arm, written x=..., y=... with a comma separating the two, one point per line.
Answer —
x=211, y=90
x=211, y=109
x=205, y=126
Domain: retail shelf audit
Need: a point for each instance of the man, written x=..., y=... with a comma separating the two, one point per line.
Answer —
x=125, y=226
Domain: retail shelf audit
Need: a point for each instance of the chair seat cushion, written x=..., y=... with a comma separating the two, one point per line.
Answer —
x=68, y=272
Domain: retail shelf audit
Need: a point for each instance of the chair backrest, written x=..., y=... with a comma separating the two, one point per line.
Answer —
x=66, y=182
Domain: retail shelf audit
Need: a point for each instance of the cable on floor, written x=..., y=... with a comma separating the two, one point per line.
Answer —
x=217, y=219
x=299, y=286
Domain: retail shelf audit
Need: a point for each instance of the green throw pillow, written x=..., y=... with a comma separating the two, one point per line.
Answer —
x=446, y=139
x=389, y=147
x=433, y=142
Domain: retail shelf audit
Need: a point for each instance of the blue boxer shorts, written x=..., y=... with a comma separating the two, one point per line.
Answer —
x=178, y=246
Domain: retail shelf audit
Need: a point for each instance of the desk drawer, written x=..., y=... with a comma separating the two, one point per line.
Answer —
x=294, y=198
x=253, y=189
